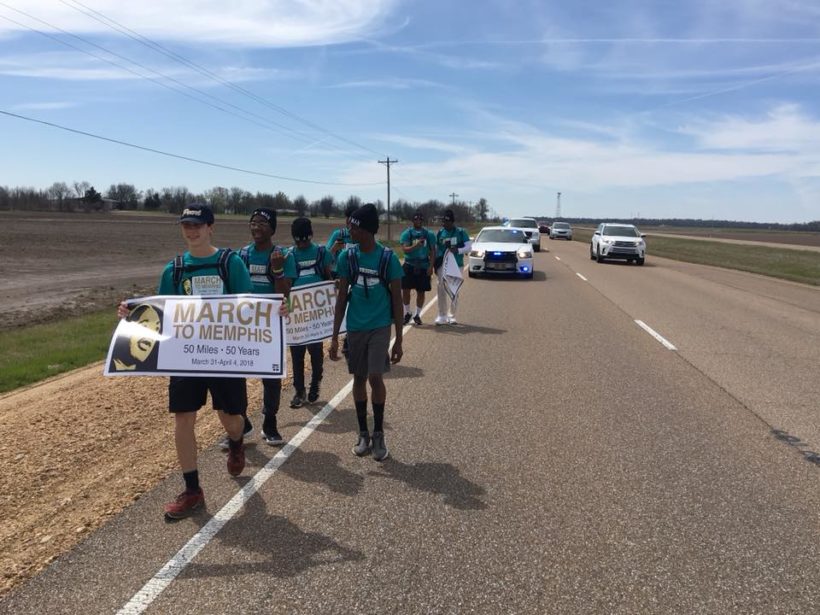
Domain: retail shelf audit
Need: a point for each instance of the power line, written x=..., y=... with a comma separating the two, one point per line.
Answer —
x=136, y=36
x=178, y=156
x=266, y=122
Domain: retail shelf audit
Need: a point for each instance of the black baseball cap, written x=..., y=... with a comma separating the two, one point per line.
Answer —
x=197, y=213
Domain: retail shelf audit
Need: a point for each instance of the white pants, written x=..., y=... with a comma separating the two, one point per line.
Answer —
x=444, y=298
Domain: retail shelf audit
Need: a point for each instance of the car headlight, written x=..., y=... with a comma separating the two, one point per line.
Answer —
x=606, y=242
x=522, y=253
x=477, y=253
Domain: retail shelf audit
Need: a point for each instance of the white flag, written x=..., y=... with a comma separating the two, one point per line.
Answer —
x=452, y=276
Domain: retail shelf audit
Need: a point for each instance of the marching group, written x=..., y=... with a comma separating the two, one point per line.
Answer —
x=374, y=294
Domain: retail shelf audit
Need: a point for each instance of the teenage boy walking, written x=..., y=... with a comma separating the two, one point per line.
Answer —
x=370, y=277
x=419, y=247
x=456, y=240
x=306, y=263
x=202, y=275
x=265, y=263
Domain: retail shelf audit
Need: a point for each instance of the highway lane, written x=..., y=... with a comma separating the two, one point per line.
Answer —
x=526, y=477
x=757, y=337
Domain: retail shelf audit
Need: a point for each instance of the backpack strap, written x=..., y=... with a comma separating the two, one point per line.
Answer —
x=245, y=255
x=320, y=259
x=384, y=266
x=178, y=270
x=222, y=265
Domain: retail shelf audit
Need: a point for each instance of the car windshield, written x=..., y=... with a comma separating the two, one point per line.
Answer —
x=501, y=235
x=621, y=231
x=563, y=225
x=523, y=223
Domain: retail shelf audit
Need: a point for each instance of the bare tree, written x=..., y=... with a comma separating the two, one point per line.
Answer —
x=58, y=192
x=300, y=204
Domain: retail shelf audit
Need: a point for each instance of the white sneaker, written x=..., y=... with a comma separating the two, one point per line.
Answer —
x=452, y=320
x=441, y=320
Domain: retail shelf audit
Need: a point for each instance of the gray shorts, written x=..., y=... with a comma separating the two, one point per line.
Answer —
x=368, y=352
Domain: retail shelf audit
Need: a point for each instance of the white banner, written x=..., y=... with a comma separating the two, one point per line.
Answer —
x=312, y=308
x=221, y=336
x=452, y=276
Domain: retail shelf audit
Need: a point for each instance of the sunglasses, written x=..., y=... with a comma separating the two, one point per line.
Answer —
x=418, y=217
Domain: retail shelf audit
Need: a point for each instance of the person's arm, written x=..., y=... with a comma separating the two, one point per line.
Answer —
x=338, y=315
x=468, y=244
x=335, y=243
x=398, y=319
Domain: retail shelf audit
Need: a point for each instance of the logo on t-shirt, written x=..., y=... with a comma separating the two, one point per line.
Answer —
x=206, y=285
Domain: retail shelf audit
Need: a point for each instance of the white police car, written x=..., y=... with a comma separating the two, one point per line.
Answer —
x=500, y=250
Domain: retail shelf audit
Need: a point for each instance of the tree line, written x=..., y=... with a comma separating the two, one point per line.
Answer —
x=81, y=196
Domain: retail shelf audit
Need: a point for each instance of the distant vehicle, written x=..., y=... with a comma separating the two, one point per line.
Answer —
x=530, y=228
x=544, y=227
x=500, y=249
x=561, y=230
x=618, y=241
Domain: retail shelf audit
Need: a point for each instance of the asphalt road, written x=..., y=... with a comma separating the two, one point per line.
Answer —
x=548, y=455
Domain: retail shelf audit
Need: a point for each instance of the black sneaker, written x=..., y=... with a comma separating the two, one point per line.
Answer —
x=274, y=439
x=380, y=452
x=297, y=400
x=407, y=319
x=313, y=395
x=362, y=447
x=417, y=319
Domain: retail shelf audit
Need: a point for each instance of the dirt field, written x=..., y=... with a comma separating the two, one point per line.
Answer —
x=78, y=449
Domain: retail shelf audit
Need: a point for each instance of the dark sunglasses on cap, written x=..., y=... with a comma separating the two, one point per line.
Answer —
x=418, y=217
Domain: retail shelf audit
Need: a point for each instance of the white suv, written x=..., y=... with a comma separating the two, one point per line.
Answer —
x=613, y=240
x=530, y=228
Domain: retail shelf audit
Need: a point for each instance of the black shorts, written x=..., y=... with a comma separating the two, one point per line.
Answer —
x=415, y=278
x=189, y=394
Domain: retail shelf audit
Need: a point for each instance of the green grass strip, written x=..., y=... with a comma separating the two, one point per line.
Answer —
x=795, y=265
x=34, y=353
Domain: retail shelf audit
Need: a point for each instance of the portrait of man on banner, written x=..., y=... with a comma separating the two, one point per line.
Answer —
x=138, y=348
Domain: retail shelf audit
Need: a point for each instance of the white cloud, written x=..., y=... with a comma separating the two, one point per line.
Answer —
x=260, y=23
x=394, y=83
x=783, y=129
x=44, y=106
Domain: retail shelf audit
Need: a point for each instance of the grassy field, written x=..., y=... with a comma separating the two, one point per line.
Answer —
x=795, y=265
x=37, y=352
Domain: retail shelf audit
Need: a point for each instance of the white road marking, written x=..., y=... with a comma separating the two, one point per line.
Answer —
x=655, y=334
x=162, y=579
x=558, y=258
x=582, y=277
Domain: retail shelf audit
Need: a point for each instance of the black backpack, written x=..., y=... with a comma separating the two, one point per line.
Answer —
x=316, y=266
x=180, y=268
x=384, y=264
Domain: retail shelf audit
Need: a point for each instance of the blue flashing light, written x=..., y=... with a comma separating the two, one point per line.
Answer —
x=496, y=253
x=525, y=269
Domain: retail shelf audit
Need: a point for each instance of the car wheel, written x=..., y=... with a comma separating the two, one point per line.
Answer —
x=537, y=248
x=598, y=256
x=641, y=261
x=471, y=274
x=591, y=253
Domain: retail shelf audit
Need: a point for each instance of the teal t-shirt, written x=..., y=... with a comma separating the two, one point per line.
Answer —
x=300, y=265
x=369, y=308
x=420, y=257
x=258, y=268
x=444, y=237
x=204, y=279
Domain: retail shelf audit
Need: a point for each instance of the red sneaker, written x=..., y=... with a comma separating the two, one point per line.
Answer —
x=236, y=460
x=186, y=504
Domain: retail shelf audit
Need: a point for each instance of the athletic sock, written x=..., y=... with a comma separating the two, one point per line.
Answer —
x=418, y=311
x=406, y=308
x=191, y=480
x=378, y=417
x=361, y=414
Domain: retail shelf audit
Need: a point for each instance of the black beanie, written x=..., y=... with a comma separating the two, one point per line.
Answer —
x=267, y=214
x=366, y=218
x=301, y=229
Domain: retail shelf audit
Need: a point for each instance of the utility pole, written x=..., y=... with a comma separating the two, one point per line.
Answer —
x=453, y=196
x=388, y=162
x=558, y=207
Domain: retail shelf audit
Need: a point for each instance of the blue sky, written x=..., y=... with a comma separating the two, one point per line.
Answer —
x=691, y=109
